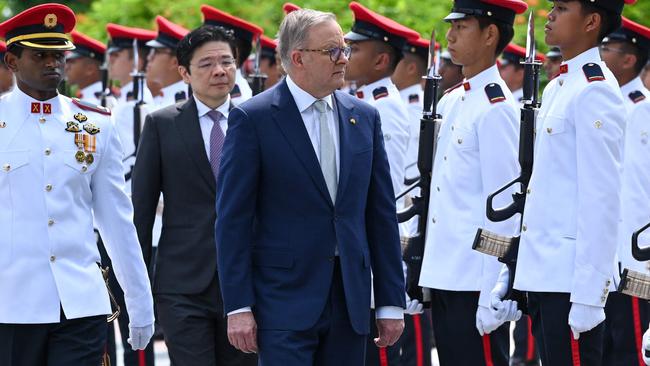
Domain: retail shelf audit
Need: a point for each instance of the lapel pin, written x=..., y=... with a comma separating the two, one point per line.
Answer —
x=353, y=121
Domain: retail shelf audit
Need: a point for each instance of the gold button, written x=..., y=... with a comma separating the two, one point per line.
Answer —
x=549, y=130
x=84, y=168
x=48, y=151
x=603, y=298
x=52, y=258
x=41, y=119
x=6, y=167
x=48, y=187
x=460, y=141
x=50, y=222
x=524, y=228
x=598, y=124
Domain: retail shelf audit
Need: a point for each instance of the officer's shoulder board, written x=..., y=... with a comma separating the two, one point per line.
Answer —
x=235, y=92
x=494, y=93
x=91, y=107
x=453, y=88
x=636, y=96
x=414, y=98
x=593, y=72
x=380, y=92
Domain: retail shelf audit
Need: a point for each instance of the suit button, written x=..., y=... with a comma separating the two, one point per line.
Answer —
x=50, y=222
x=52, y=258
x=48, y=188
x=48, y=151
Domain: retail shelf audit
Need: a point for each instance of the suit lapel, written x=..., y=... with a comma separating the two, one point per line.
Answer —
x=345, y=116
x=187, y=124
x=289, y=120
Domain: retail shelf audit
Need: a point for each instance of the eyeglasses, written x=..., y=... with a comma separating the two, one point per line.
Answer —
x=604, y=48
x=335, y=52
x=210, y=64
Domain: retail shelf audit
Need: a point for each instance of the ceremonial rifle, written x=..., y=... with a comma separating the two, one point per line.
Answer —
x=138, y=95
x=429, y=128
x=258, y=78
x=105, y=88
x=506, y=248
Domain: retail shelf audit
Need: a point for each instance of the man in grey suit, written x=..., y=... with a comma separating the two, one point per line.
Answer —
x=179, y=155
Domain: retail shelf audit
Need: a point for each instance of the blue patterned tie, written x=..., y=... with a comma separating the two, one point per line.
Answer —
x=216, y=142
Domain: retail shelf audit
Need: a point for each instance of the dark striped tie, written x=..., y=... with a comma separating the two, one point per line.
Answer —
x=216, y=142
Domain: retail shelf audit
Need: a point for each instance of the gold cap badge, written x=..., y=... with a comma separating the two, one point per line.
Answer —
x=50, y=21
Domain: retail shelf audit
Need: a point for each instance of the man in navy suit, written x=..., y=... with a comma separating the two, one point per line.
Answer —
x=305, y=208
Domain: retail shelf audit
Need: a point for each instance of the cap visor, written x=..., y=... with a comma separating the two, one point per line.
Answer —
x=355, y=37
x=48, y=46
x=73, y=55
x=454, y=16
x=155, y=44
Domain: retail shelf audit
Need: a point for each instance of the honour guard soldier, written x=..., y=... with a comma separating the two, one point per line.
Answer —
x=245, y=34
x=6, y=76
x=450, y=73
x=568, y=241
x=626, y=53
x=61, y=169
x=82, y=67
x=477, y=153
x=269, y=61
x=121, y=58
x=162, y=68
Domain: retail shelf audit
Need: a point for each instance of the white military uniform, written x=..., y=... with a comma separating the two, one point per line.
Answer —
x=570, y=221
x=92, y=93
x=170, y=94
x=634, y=92
x=477, y=154
x=635, y=185
x=518, y=95
x=128, y=87
x=384, y=96
x=48, y=250
x=413, y=98
x=241, y=91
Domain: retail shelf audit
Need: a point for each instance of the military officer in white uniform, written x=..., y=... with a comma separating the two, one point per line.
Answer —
x=477, y=155
x=569, y=226
x=162, y=66
x=625, y=52
x=245, y=34
x=83, y=68
x=60, y=161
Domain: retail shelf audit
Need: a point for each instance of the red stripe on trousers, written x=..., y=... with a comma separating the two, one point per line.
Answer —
x=575, y=350
x=383, y=357
x=141, y=360
x=487, y=351
x=637, y=329
x=417, y=329
x=530, y=355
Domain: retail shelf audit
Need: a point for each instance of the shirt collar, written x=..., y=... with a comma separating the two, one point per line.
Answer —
x=368, y=88
x=480, y=80
x=302, y=98
x=204, y=109
x=575, y=64
x=25, y=102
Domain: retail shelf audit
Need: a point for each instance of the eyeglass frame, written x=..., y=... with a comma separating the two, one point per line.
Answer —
x=232, y=62
x=341, y=51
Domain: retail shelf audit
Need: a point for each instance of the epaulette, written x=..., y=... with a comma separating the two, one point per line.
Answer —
x=494, y=93
x=636, y=96
x=380, y=92
x=235, y=92
x=593, y=72
x=453, y=88
x=91, y=107
x=414, y=98
x=180, y=96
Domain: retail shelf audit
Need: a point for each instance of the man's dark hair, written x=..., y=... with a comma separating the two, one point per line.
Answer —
x=15, y=50
x=271, y=59
x=609, y=22
x=244, y=49
x=394, y=54
x=200, y=36
x=641, y=54
x=506, y=32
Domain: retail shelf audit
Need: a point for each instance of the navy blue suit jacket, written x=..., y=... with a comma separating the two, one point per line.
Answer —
x=277, y=227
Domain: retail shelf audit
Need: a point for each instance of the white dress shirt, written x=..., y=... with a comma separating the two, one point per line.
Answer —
x=206, y=122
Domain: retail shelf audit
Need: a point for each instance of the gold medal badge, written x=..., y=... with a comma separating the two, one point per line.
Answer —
x=91, y=128
x=72, y=126
x=90, y=159
x=81, y=117
x=80, y=156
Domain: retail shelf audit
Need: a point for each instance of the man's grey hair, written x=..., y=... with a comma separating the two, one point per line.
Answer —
x=294, y=31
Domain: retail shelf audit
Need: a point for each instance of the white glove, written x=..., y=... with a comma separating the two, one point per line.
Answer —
x=503, y=310
x=646, y=347
x=413, y=307
x=583, y=318
x=486, y=322
x=139, y=336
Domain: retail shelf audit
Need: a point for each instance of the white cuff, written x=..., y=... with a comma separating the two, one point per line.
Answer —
x=389, y=312
x=247, y=309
